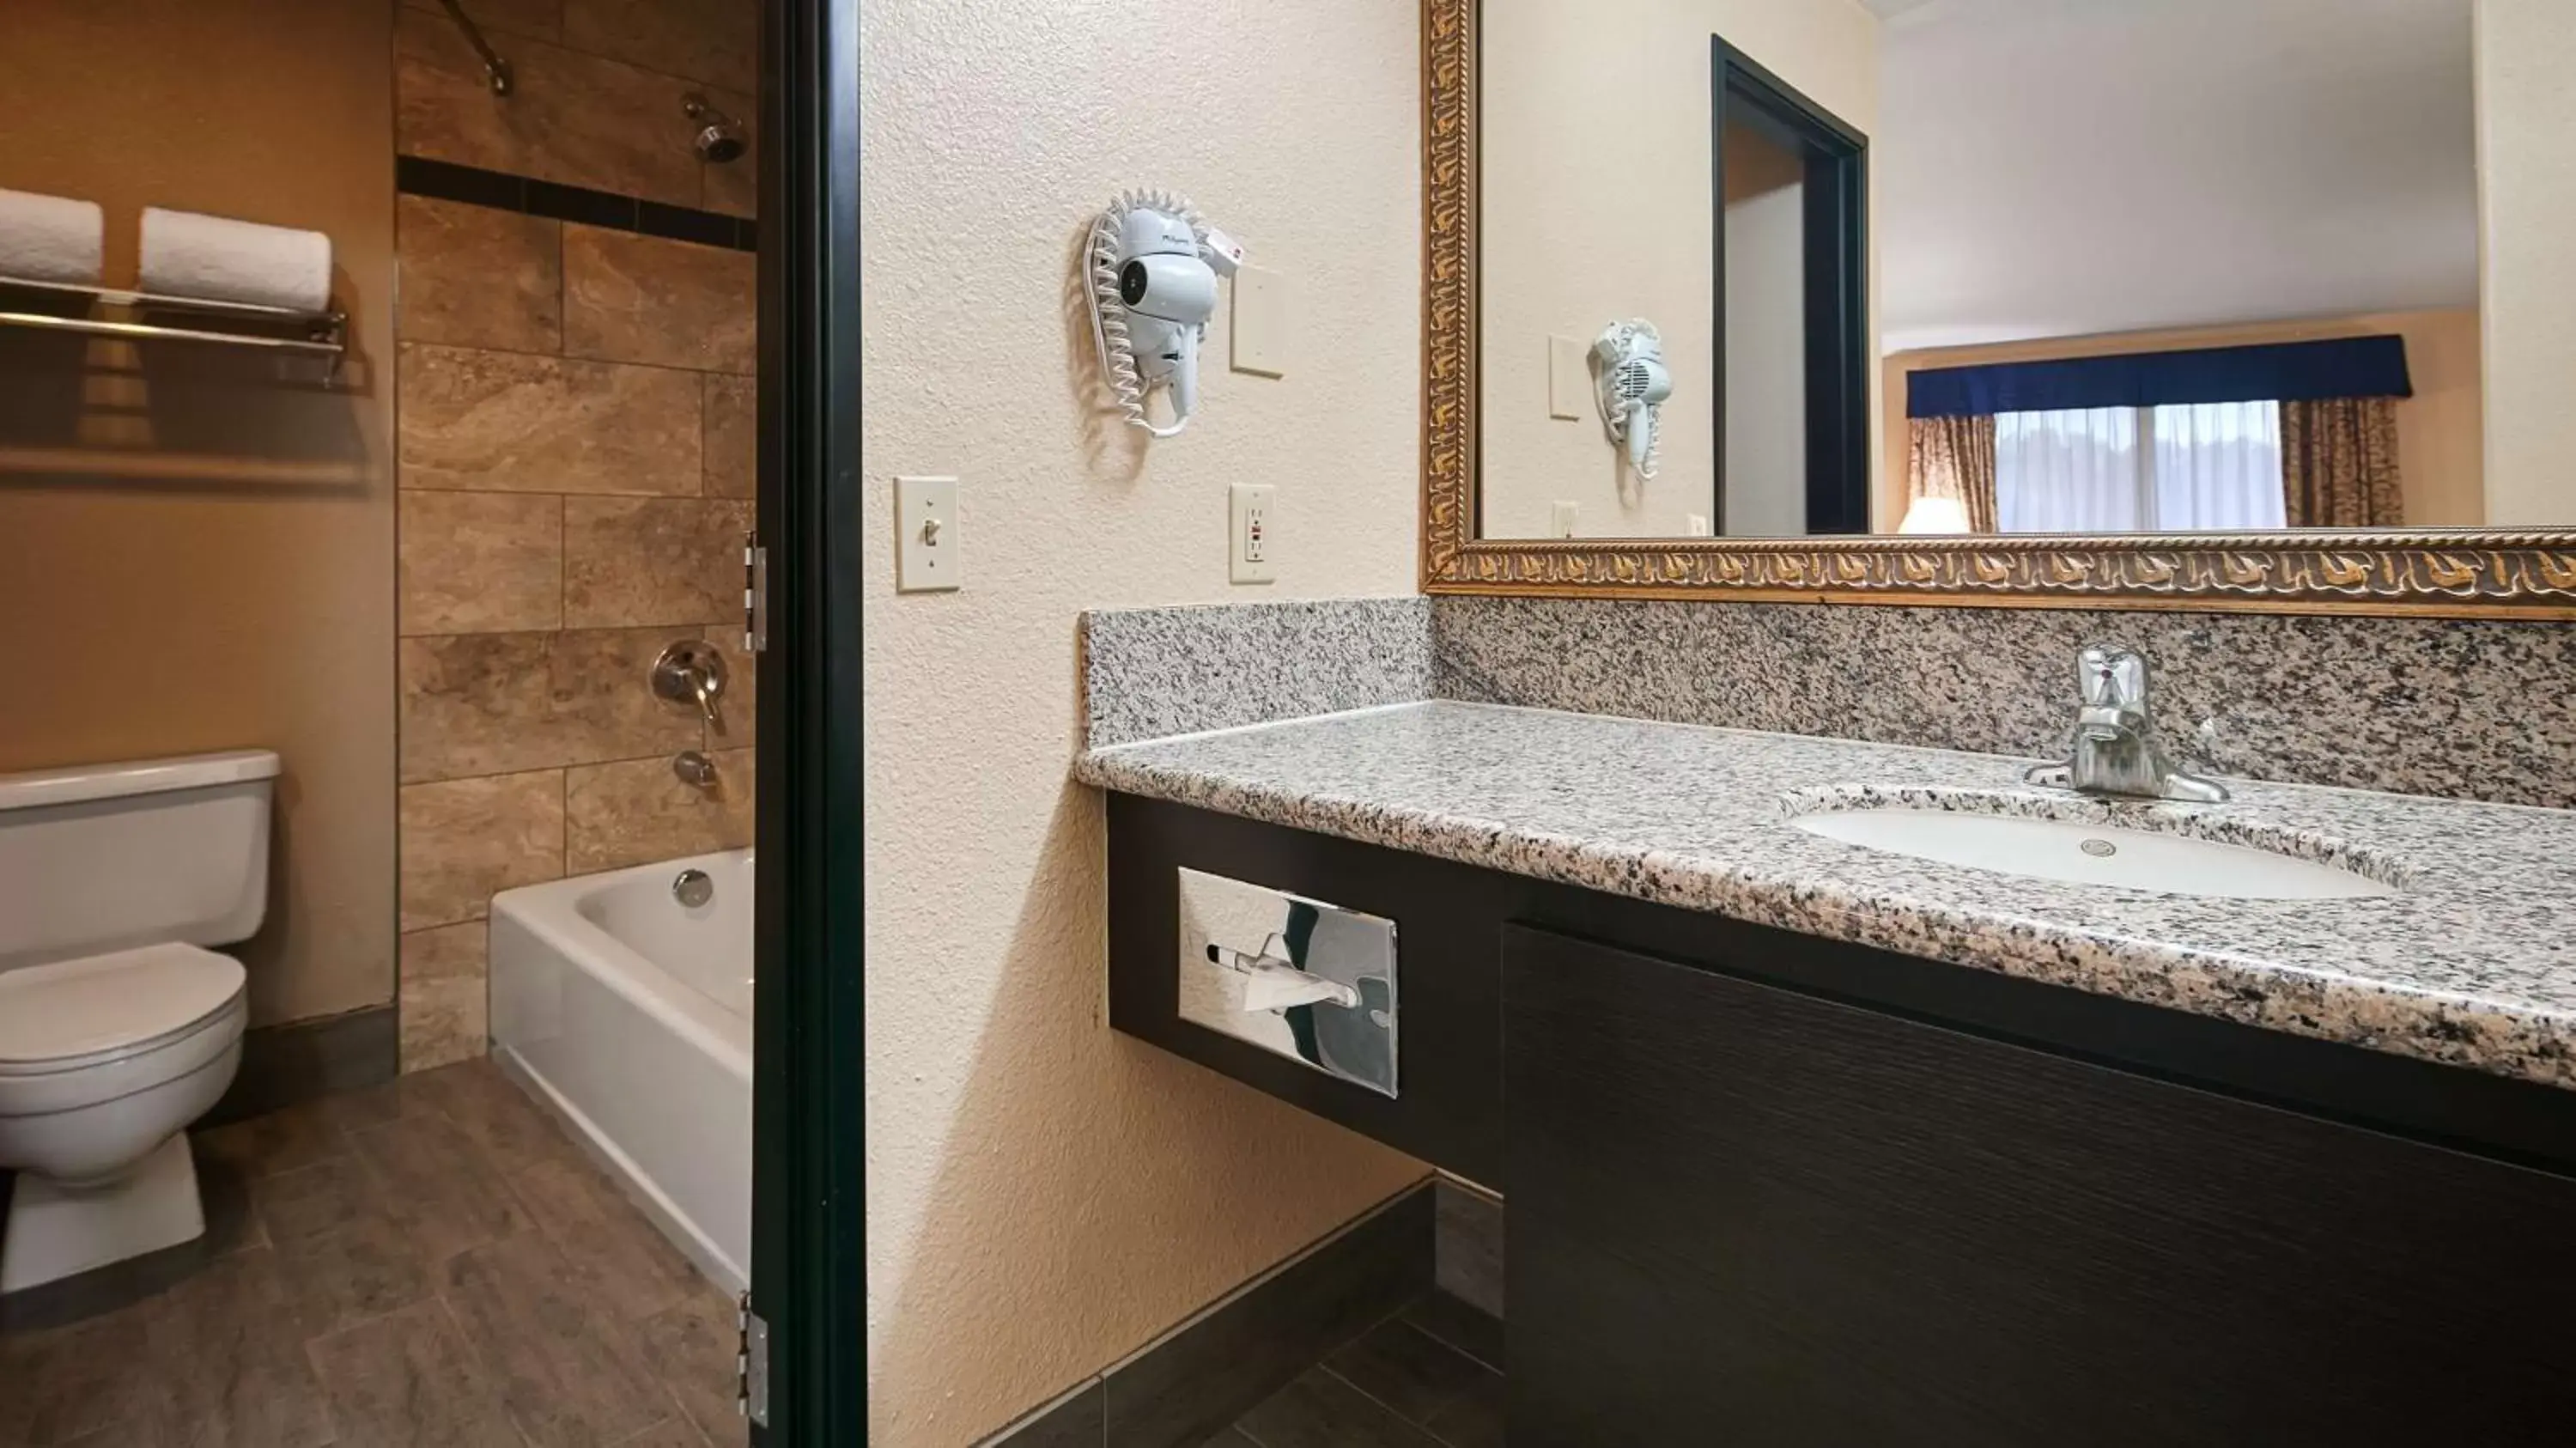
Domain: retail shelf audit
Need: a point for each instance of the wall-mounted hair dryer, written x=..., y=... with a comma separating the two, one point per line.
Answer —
x=1628, y=368
x=1153, y=265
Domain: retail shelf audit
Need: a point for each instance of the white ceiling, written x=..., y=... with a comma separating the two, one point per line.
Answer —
x=2059, y=167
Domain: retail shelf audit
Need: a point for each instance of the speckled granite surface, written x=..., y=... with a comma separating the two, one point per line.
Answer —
x=2467, y=709
x=1150, y=672
x=2472, y=964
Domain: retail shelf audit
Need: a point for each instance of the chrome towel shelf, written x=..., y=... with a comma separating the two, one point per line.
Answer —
x=282, y=329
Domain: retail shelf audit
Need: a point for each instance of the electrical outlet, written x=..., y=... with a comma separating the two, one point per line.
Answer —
x=1695, y=525
x=928, y=554
x=1561, y=520
x=1251, y=550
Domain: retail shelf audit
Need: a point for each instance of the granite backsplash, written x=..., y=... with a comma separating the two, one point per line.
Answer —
x=2461, y=708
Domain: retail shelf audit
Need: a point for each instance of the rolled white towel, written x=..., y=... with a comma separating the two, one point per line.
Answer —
x=219, y=259
x=50, y=238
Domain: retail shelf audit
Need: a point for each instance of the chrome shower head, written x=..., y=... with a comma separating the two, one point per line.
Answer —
x=719, y=137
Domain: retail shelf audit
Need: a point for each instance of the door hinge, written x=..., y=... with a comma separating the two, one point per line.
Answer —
x=751, y=1365
x=755, y=595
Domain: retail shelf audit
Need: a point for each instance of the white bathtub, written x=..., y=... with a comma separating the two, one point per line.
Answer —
x=630, y=1015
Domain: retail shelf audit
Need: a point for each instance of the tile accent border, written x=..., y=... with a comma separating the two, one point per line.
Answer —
x=501, y=191
x=1230, y=1356
x=1148, y=673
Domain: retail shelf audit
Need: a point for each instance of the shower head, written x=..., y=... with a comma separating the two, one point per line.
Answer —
x=719, y=137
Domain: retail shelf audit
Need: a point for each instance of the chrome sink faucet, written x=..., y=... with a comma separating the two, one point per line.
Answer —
x=2114, y=751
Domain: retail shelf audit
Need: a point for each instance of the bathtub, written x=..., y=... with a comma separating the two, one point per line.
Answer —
x=629, y=1015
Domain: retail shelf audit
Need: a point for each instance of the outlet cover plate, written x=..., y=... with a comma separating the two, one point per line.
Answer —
x=1251, y=533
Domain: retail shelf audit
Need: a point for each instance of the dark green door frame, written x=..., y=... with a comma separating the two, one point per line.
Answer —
x=808, y=1266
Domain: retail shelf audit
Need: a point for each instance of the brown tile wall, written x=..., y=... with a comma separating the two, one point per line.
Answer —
x=574, y=425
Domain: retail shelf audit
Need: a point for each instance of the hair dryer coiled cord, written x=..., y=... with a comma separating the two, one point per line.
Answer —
x=1110, y=331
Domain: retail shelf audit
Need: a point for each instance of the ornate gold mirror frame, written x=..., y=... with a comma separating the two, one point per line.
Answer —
x=2521, y=573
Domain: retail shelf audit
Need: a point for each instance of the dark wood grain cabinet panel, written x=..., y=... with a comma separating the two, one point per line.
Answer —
x=1747, y=1215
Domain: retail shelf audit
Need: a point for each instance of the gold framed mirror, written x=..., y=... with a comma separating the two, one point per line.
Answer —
x=2516, y=571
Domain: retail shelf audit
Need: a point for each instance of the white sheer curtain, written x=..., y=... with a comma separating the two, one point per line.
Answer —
x=2139, y=469
x=2068, y=472
x=2218, y=466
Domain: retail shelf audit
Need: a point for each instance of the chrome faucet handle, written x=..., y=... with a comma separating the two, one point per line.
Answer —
x=2114, y=750
x=2112, y=678
x=693, y=672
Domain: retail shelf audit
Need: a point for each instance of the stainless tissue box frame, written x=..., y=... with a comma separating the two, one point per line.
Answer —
x=1237, y=938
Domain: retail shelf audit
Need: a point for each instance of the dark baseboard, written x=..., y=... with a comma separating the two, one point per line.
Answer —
x=298, y=1061
x=1467, y=1250
x=1183, y=1389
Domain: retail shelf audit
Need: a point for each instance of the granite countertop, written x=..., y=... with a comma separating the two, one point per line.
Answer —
x=2472, y=963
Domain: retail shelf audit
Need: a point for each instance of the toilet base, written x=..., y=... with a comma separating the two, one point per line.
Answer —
x=55, y=1231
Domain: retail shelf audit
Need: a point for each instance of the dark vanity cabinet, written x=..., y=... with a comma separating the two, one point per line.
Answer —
x=1746, y=1215
x=1770, y=1190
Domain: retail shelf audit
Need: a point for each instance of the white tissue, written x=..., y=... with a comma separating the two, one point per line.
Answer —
x=50, y=238
x=216, y=258
x=1277, y=987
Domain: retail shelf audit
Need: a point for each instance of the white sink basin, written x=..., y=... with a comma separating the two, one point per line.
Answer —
x=2090, y=854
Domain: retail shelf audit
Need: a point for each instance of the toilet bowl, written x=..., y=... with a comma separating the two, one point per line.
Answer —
x=117, y=1028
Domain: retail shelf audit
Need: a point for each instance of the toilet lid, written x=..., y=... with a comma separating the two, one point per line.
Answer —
x=72, y=1008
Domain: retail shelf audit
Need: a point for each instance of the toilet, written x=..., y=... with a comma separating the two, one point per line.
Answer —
x=118, y=1027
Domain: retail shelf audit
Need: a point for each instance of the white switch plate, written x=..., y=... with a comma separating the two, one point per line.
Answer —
x=1262, y=322
x=929, y=557
x=1569, y=379
x=1560, y=522
x=1252, y=549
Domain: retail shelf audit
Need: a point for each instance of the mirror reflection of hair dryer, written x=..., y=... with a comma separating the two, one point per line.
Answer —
x=1629, y=371
x=1154, y=268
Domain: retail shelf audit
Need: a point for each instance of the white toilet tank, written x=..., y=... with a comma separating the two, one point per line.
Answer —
x=104, y=857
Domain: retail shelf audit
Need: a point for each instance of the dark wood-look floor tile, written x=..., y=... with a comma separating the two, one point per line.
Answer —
x=340, y=1278
x=1231, y=1437
x=265, y=1145
x=386, y=1101
x=440, y=1186
x=63, y=1383
x=569, y=1371
x=1473, y=1419
x=1407, y=1369
x=231, y=1348
x=309, y=1200
x=1319, y=1410
x=669, y=1433
x=691, y=1347
x=1474, y=1333
x=625, y=1265
x=498, y=1116
x=409, y=1378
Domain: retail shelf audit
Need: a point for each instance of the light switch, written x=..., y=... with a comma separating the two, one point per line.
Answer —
x=1251, y=550
x=1569, y=379
x=1261, y=322
x=928, y=557
x=1561, y=520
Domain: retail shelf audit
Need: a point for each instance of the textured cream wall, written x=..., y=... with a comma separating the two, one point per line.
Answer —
x=1043, y=1195
x=1596, y=207
x=2527, y=289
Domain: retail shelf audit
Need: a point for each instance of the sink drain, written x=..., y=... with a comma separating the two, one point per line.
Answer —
x=2099, y=849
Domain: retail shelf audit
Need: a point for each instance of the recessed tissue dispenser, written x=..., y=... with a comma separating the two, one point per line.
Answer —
x=1296, y=977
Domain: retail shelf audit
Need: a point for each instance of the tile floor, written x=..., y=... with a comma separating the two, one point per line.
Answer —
x=1429, y=1377
x=429, y=1262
